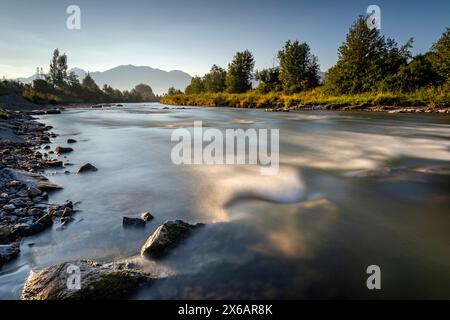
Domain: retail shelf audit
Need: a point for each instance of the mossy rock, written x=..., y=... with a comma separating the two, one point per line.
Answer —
x=165, y=237
x=97, y=282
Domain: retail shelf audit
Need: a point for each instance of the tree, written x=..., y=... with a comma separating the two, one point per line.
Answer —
x=196, y=86
x=172, y=91
x=145, y=92
x=73, y=81
x=58, y=69
x=299, y=68
x=269, y=80
x=214, y=81
x=365, y=59
x=89, y=83
x=240, y=72
x=440, y=56
x=412, y=76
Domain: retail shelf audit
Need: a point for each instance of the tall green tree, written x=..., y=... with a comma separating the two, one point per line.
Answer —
x=215, y=80
x=58, y=68
x=440, y=56
x=89, y=83
x=146, y=93
x=196, y=86
x=240, y=72
x=365, y=59
x=299, y=67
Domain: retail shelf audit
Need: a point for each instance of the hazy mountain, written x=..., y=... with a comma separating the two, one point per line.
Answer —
x=127, y=77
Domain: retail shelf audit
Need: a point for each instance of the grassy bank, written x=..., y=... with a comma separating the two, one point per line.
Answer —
x=253, y=99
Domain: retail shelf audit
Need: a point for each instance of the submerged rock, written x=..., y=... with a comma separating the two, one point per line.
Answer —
x=133, y=222
x=87, y=168
x=62, y=150
x=71, y=141
x=8, y=252
x=97, y=282
x=165, y=237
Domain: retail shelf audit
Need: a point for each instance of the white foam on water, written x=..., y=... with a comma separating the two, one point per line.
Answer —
x=361, y=151
x=221, y=185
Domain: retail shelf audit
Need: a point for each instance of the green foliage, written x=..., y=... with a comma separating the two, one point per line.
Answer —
x=299, y=68
x=365, y=59
x=269, y=80
x=215, y=80
x=145, y=93
x=240, y=72
x=440, y=56
x=58, y=69
x=412, y=76
x=172, y=91
x=196, y=86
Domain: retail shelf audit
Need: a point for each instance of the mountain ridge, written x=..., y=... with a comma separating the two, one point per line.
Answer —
x=126, y=77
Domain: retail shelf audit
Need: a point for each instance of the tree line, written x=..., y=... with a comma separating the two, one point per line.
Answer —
x=61, y=86
x=367, y=62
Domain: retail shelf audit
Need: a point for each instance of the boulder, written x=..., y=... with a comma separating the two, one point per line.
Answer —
x=54, y=164
x=146, y=216
x=97, y=282
x=62, y=150
x=8, y=252
x=165, y=237
x=87, y=168
x=70, y=141
x=133, y=222
x=34, y=192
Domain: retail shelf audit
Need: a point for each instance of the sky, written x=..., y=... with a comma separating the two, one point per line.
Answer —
x=192, y=35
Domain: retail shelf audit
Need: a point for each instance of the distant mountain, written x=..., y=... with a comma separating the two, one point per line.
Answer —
x=126, y=77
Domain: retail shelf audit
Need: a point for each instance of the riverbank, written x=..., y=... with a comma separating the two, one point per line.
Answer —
x=24, y=207
x=431, y=100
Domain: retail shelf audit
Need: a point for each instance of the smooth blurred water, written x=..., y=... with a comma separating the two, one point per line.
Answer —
x=353, y=190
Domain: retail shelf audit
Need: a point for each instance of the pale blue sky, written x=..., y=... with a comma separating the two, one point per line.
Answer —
x=192, y=35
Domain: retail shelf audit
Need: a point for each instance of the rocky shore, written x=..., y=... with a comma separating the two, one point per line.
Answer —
x=24, y=207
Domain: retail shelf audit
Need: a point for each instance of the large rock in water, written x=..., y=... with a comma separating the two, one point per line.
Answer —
x=87, y=167
x=62, y=150
x=97, y=282
x=166, y=236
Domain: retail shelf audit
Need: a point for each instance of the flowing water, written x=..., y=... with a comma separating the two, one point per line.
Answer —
x=353, y=190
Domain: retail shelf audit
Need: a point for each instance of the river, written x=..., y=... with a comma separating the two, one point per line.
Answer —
x=354, y=189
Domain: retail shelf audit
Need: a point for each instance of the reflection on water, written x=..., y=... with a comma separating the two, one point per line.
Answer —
x=354, y=189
